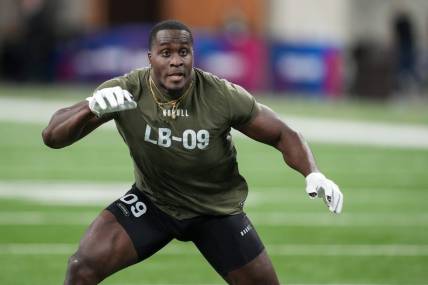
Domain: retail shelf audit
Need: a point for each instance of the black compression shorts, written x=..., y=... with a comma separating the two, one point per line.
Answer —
x=227, y=242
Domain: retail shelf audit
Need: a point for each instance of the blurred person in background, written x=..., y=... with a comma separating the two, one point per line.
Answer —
x=39, y=39
x=176, y=122
x=405, y=45
x=27, y=49
x=11, y=42
x=373, y=77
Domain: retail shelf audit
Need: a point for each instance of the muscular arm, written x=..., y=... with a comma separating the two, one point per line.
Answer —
x=266, y=127
x=70, y=124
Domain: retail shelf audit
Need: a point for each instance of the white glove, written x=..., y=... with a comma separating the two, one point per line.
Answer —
x=108, y=100
x=317, y=185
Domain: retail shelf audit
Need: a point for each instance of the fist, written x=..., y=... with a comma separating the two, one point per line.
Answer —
x=109, y=100
x=317, y=185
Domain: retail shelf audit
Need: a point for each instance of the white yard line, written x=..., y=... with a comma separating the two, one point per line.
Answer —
x=274, y=219
x=344, y=220
x=349, y=250
x=323, y=130
x=223, y=284
x=335, y=283
x=274, y=250
x=101, y=195
x=360, y=133
x=81, y=193
x=64, y=193
x=29, y=110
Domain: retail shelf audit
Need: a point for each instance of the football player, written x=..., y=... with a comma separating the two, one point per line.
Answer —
x=176, y=121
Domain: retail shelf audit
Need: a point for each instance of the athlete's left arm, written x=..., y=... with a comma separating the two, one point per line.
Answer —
x=268, y=128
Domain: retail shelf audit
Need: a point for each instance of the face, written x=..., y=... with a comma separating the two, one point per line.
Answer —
x=171, y=58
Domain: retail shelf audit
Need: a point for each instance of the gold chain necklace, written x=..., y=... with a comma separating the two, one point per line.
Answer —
x=173, y=103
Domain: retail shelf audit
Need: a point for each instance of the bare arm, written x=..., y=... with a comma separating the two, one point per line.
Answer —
x=70, y=124
x=266, y=127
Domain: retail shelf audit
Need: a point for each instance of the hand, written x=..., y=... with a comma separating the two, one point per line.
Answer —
x=317, y=185
x=108, y=100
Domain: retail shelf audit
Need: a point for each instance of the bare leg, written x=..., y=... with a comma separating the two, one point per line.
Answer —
x=259, y=271
x=104, y=249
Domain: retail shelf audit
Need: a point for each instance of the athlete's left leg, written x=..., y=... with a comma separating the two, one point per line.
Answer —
x=259, y=271
x=232, y=246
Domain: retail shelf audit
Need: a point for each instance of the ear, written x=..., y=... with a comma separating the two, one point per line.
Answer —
x=149, y=55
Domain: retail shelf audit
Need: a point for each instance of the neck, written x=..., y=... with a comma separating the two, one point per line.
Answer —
x=174, y=94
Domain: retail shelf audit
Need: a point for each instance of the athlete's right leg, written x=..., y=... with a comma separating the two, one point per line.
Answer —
x=103, y=250
x=129, y=231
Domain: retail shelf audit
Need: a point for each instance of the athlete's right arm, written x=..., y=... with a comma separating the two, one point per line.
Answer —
x=70, y=124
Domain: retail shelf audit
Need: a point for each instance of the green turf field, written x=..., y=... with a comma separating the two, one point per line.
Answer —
x=288, y=104
x=381, y=238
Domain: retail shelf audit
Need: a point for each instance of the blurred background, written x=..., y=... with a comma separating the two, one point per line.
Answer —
x=350, y=75
x=367, y=49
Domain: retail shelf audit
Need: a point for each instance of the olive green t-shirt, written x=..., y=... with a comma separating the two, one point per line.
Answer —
x=186, y=165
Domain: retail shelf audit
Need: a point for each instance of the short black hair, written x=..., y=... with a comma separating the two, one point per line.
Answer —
x=168, y=25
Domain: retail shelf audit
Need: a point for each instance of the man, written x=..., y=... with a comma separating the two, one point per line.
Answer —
x=176, y=121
